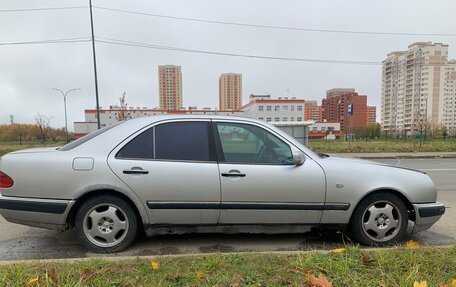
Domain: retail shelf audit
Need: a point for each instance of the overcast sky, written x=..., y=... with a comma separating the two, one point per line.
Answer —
x=28, y=72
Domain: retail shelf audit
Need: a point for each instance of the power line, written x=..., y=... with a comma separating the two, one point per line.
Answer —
x=275, y=27
x=52, y=41
x=170, y=48
x=42, y=9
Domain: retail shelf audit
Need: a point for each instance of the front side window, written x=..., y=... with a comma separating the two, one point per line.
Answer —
x=243, y=143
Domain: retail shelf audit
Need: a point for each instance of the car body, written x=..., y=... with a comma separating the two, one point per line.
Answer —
x=173, y=174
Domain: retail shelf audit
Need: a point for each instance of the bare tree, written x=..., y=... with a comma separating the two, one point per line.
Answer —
x=422, y=125
x=43, y=122
x=122, y=113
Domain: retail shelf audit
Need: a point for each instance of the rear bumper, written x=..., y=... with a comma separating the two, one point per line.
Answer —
x=426, y=214
x=45, y=213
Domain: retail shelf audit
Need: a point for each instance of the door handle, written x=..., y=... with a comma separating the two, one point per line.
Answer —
x=233, y=173
x=135, y=170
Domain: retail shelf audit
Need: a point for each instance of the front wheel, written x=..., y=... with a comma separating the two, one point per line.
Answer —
x=106, y=224
x=379, y=219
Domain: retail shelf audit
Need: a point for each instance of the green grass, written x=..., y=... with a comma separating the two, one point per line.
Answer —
x=383, y=146
x=391, y=267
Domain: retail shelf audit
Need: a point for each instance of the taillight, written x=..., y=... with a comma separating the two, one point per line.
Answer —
x=5, y=181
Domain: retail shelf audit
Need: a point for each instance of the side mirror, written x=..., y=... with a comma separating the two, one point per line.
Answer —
x=298, y=158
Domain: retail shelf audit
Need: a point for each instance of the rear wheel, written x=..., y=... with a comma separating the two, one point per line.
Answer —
x=106, y=224
x=379, y=219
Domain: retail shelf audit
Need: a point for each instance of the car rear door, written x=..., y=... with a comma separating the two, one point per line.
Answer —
x=172, y=167
x=259, y=183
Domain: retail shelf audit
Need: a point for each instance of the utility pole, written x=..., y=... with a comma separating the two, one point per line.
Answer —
x=94, y=65
x=64, y=94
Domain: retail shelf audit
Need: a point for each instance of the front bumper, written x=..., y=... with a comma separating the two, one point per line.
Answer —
x=426, y=214
x=45, y=213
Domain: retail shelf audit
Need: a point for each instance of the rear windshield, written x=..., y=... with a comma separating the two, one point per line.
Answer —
x=87, y=137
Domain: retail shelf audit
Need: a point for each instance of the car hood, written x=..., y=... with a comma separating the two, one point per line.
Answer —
x=366, y=162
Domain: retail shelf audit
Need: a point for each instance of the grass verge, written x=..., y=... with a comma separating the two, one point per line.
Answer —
x=383, y=146
x=350, y=267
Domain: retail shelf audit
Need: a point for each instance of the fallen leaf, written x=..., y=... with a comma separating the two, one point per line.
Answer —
x=154, y=265
x=412, y=244
x=420, y=284
x=294, y=270
x=32, y=281
x=200, y=275
x=366, y=259
x=52, y=276
x=86, y=274
x=338, y=250
x=453, y=282
x=320, y=281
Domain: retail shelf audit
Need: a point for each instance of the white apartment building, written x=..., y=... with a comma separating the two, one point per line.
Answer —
x=417, y=83
x=283, y=109
x=449, y=97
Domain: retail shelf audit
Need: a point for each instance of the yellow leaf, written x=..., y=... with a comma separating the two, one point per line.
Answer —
x=32, y=281
x=200, y=275
x=420, y=284
x=320, y=281
x=338, y=250
x=453, y=282
x=412, y=244
x=154, y=265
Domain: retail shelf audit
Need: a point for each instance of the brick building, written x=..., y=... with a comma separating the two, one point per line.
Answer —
x=335, y=109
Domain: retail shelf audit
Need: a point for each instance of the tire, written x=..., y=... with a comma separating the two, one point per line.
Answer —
x=380, y=219
x=106, y=224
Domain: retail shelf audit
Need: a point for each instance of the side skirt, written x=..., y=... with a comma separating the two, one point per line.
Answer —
x=152, y=230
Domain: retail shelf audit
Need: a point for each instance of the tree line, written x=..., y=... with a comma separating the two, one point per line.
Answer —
x=30, y=133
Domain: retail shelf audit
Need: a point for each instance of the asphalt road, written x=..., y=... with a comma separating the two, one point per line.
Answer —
x=21, y=242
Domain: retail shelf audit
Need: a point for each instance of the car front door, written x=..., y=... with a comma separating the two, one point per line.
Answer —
x=172, y=166
x=259, y=183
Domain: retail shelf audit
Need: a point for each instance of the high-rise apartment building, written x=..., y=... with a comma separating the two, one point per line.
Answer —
x=338, y=92
x=417, y=86
x=312, y=111
x=371, y=115
x=335, y=109
x=230, y=91
x=449, y=98
x=170, y=87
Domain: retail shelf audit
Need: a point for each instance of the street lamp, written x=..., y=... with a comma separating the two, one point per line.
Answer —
x=64, y=94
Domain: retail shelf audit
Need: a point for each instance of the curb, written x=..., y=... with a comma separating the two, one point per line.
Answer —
x=154, y=257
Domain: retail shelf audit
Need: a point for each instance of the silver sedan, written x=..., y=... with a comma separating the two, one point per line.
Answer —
x=177, y=174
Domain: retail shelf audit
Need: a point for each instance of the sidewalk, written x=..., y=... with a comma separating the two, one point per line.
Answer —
x=375, y=155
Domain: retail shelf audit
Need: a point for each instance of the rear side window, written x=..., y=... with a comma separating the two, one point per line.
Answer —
x=141, y=147
x=185, y=141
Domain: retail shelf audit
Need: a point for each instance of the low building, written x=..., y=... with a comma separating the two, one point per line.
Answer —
x=324, y=130
x=282, y=109
x=109, y=116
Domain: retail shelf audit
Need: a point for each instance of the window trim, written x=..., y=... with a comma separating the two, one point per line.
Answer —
x=153, y=126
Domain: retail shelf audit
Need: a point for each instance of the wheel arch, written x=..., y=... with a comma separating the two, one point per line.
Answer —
x=87, y=193
x=399, y=194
